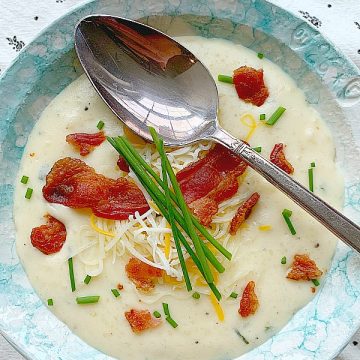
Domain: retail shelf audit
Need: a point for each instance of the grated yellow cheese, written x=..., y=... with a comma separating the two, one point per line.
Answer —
x=265, y=227
x=217, y=307
x=167, y=241
x=249, y=121
x=97, y=229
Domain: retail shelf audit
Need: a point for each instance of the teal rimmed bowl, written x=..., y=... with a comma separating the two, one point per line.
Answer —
x=331, y=84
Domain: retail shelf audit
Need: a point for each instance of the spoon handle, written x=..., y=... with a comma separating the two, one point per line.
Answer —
x=340, y=225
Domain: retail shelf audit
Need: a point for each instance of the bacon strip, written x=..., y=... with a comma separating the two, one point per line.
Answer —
x=74, y=184
x=209, y=181
x=250, y=86
x=141, y=320
x=86, y=142
x=49, y=238
x=249, y=302
x=304, y=268
x=277, y=157
x=142, y=274
x=243, y=213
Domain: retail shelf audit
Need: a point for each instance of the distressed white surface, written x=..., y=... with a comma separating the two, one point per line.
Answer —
x=26, y=18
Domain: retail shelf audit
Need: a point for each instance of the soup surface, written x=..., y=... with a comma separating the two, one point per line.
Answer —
x=258, y=246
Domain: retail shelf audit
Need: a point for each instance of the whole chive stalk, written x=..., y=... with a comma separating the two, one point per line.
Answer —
x=234, y=295
x=283, y=260
x=257, y=149
x=225, y=79
x=88, y=299
x=115, y=292
x=171, y=216
x=315, y=282
x=185, y=212
x=87, y=279
x=50, y=302
x=196, y=295
x=24, y=179
x=157, y=314
x=286, y=215
x=100, y=125
x=28, y=193
x=71, y=274
x=275, y=116
x=171, y=321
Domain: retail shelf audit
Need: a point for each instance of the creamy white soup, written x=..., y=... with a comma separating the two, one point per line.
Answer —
x=262, y=249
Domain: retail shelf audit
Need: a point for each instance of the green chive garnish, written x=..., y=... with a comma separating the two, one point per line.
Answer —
x=241, y=337
x=87, y=279
x=157, y=314
x=196, y=295
x=283, y=260
x=71, y=274
x=100, y=125
x=166, y=309
x=311, y=179
x=24, y=179
x=257, y=149
x=260, y=55
x=286, y=214
x=234, y=295
x=276, y=115
x=172, y=322
x=262, y=117
x=50, y=302
x=87, y=299
x=315, y=282
x=312, y=164
x=115, y=292
x=226, y=79
x=28, y=193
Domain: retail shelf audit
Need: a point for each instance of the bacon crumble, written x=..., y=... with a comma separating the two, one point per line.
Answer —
x=49, y=238
x=141, y=320
x=303, y=268
x=249, y=302
x=122, y=164
x=278, y=158
x=243, y=212
x=86, y=142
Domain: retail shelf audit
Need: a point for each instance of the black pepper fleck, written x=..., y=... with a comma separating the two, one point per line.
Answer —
x=86, y=108
x=206, y=313
x=359, y=51
x=329, y=5
x=36, y=18
x=196, y=342
x=317, y=245
x=355, y=343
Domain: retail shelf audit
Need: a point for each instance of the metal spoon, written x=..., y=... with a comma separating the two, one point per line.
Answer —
x=148, y=79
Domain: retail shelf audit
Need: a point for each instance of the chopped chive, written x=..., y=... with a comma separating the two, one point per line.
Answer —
x=196, y=295
x=315, y=282
x=166, y=309
x=275, y=116
x=262, y=117
x=50, y=302
x=157, y=314
x=115, y=292
x=286, y=214
x=311, y=179
x=87, y=299
x=257, y=149
x=24, y=179
x=71, y=274
x=226, y=79
x=260, y=55
x=241, y=337
x=283, y=260
x=28, y=193
x=312, y=164
x=87, y=279
x=234, y=295
x=100, y=125
x=171, y=321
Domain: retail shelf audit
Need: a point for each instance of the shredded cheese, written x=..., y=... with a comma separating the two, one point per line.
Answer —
x=249, y=121
x=167, y=241
x=265, y=227
x=97, y=229
x=217, y=307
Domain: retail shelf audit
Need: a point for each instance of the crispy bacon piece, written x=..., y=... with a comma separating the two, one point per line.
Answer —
x=49, y=238
x=122, y=164
x=74, y=184
x=303, y=268
x=209, y=181
x=277, y=157
x=141, y=320
x=250, y=86
x=249, y=302
x=243, y=212
x=141, y=274
x=86, y=142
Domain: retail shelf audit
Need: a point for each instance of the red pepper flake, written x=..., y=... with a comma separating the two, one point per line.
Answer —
x=303, y=268
x=49, y=238
x=72, y=183
x=141, y=320
x=142, y=274
x=243, y=212
x=86, y=142
x=249, y=302
x=250, y=86
x=122, y=164
x=277, y=157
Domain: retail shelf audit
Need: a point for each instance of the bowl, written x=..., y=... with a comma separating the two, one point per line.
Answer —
x=331, y=83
